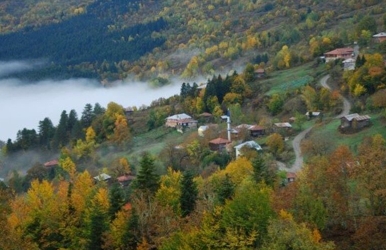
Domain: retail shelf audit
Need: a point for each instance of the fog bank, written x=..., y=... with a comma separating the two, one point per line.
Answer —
x=23, y=105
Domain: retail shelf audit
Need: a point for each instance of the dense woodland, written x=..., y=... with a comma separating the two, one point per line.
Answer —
x=184, y=195
x=151, y=39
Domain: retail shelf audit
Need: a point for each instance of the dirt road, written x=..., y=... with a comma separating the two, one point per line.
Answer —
x=297, y=140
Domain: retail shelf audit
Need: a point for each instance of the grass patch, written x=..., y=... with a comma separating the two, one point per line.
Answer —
x=290, y=79
x=330, y=130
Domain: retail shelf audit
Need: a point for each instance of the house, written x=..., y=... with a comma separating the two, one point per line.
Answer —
x=380, y=37
x=354, y=121
x=125, y=179
x=260, y=73
x=201, y=130
x=128, y=111
x=285, y=125
x=340, y=53
x=249, y=144
x=349, y=64
x=218, y=144
x=52, y=163
x=102, y=177
x=187, y=123
x=256, y=130
x=291, y=177
x=172, y=121
x=311, y=114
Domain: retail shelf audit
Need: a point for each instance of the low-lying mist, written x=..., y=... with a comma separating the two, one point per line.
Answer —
x=24, y=104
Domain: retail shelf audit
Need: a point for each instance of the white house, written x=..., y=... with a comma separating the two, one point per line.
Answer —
x=249, y=144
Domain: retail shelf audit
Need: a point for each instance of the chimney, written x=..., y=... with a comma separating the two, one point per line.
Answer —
x=229, y=125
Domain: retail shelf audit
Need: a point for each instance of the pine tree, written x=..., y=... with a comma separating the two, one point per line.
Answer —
x=225, y=190
x=117, y=200
x=189, y=194
x=98, y=225
x=131, y=234
x=261, y=172
x=147, y=179
x=46, y=133
x=61, y=136
x=87, y=116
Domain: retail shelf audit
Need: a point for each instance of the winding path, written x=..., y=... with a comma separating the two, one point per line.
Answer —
x=296, y=142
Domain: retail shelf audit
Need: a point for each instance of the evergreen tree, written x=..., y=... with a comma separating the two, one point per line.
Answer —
x=189, y=194
x=225, y=190
x=46, y=133
x=98, y=110
x=117, y=200
x=261, y=172
x=61, y=136
x=98, y=225
x=87, y=116
x=147, y=180
x=72, y=120
x=131, y=234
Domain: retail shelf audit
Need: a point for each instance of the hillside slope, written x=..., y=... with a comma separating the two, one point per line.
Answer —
x=116, y=39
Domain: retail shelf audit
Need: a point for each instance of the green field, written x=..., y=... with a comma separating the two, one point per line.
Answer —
x=330, y=130
x=284, y=80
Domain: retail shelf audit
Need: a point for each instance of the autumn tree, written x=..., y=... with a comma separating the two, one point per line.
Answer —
x=275, y=104
x=369, y=173
x=275, y=143
x=285, y=233
x=249, y=211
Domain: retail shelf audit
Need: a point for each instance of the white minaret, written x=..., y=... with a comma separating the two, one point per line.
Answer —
x=229, y=125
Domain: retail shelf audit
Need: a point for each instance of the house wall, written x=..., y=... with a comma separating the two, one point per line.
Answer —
x=171, y=123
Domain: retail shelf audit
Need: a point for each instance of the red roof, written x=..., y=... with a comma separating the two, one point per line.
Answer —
x=127, y=206
x=291, y=175
x=340, y=51
x=206, y=114
x=51, y=163
x=219, y=141
x=260, y=71
x=126, y=177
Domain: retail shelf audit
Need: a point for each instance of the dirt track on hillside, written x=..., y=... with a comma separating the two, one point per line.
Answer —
x=297, y=140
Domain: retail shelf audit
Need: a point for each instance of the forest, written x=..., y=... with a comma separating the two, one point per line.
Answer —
x=116, y=177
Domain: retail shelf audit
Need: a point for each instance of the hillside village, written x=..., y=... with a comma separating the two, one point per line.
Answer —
x=284, y=153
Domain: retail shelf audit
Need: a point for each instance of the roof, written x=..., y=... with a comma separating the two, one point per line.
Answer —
x=356, y=116
x=283, y=125
x=51, y=163
x=187, y=120
x=291, y=175
x=256, y=128
x=102, y=177
x=382, y=34
x=241, y=126
x=179, y=117
x=206, y=114
x=219, y=141
x=259, y=71
x=250, y=144
x=340, y=51
x=313, y=113
x=126, y=177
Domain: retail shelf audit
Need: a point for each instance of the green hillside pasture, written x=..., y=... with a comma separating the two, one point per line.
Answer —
x=290, y=79
x=290, y=85
x=330, y=130
x=155, y=140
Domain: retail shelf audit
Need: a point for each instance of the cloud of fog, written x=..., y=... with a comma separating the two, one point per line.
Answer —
x=23, y=105
x=7, y=68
